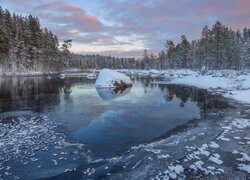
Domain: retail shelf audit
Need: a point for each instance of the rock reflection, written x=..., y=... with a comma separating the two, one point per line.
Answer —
x=108, y=94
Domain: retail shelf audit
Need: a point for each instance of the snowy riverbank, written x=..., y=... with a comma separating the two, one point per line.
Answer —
x=232, y=84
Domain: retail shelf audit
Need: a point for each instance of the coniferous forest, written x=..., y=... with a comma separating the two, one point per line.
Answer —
x=27, y=46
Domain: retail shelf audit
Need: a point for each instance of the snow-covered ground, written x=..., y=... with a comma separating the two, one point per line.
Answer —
x=232, y=84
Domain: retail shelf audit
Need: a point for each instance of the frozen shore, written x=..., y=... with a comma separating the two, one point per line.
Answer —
x=230, y=83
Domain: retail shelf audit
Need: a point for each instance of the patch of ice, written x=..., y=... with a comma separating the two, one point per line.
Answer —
x=237, y=138
x=215, y=158
x=24, y=136
x=163, y=156
x=89, y=171
x=244, y=167
x=241, y=123
x=173, y=171
x=235, y=152
x=137, y=164
x=155, y=151
x=214, y=144
x=244, y=157
x=197, y=165
x=55, y=162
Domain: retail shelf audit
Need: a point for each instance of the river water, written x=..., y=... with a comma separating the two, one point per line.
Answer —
x=67, y=129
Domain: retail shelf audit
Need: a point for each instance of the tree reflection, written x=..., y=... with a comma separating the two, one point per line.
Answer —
x=35, y=93
x=202, y=97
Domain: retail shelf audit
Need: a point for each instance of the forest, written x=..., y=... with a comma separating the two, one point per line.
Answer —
x=27, y=46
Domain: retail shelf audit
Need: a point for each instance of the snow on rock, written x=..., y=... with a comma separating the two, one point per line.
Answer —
x=108, y=78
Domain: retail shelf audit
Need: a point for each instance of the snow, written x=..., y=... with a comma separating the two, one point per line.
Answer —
x=91, y=76
x=154, y=71
x=62, y=76
x=23, y=136
x=107, y=78
x=244, y=157
x=243, y=96
x=244, y=167
x=215, y=158
x=234, y=84
x=213, y=144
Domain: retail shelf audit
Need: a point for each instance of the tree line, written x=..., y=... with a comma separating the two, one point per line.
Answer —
x=218, y=48
x=25, y=45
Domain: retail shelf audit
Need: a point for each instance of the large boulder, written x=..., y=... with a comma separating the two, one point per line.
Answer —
x=108, y=78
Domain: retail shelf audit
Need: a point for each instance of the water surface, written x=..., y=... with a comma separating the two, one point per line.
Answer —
x=67, y=125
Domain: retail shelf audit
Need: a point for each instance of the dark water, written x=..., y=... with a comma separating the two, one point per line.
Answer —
x=71, y=126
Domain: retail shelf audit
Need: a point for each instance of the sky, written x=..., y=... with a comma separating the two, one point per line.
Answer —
x=127, y=27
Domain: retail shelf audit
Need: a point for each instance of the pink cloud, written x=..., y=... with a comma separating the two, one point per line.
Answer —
x=69, y=8
x=51, y=5
x=74, y=16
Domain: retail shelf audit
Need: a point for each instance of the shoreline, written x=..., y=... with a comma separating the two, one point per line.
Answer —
x=231, y=84
x=40, y=73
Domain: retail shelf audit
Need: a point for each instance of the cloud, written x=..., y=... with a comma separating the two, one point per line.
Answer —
x=75, y=17
x=124, y=26
x=158, y=20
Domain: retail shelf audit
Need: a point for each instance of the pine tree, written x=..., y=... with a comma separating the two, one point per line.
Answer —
x=219, y=38
x=65, y=46
x=170, y=49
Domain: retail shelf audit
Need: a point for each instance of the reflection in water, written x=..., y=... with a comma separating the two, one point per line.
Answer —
x=106, y=128
x=33, y=93
x=111, y=93
x=203, y=99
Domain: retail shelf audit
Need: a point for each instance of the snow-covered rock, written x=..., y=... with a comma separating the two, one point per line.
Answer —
x=108, y=78
x=62, y=76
